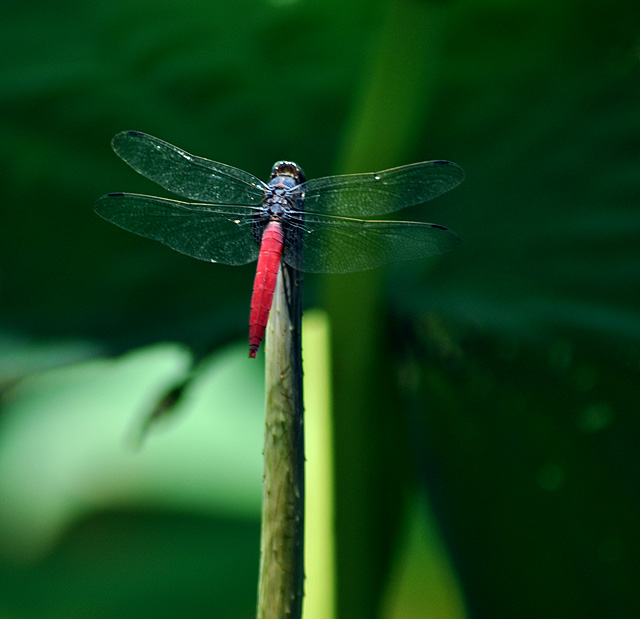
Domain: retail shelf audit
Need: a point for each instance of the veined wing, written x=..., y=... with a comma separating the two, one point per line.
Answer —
x=342, y=245
x=213, y=232
x=377, y=193
x=195, y=178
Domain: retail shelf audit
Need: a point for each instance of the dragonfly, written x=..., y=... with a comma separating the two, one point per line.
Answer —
x=232, y=217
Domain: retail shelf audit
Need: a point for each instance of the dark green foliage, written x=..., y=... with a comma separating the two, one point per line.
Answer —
x=500, y=380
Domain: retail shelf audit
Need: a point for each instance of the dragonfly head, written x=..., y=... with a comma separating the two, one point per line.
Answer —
x=286, y=170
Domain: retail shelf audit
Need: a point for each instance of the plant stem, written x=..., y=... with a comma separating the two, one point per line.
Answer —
x=394, y=94
x=281, y=583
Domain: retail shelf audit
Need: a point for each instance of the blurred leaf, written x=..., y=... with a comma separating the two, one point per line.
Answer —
x=175, y=523
x=141, y=564
x=528, y=457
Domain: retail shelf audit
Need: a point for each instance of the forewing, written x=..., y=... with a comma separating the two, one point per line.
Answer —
x=186, y=175
x=211, y=232
x=341, y=245
x=377, y=193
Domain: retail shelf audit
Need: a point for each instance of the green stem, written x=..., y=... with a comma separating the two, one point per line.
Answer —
x=280, y=589
x=388, y=117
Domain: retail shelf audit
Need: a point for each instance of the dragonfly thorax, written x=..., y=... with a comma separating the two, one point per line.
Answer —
x=276, y=208
x=279, y=201
x=282, y=196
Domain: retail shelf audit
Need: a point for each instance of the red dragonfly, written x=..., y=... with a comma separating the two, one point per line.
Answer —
x=232, y=217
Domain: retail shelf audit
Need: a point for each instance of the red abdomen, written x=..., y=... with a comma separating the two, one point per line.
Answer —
x=264, y=283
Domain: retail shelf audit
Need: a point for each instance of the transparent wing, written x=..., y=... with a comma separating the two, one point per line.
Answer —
x=377, y=193
x=212, y=232
x=186, y=175
x=341, y=245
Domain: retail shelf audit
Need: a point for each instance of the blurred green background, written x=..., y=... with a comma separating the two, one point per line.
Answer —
x=486, y=403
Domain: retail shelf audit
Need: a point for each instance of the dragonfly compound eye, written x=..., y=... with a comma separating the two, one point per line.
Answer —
x=290, y=169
